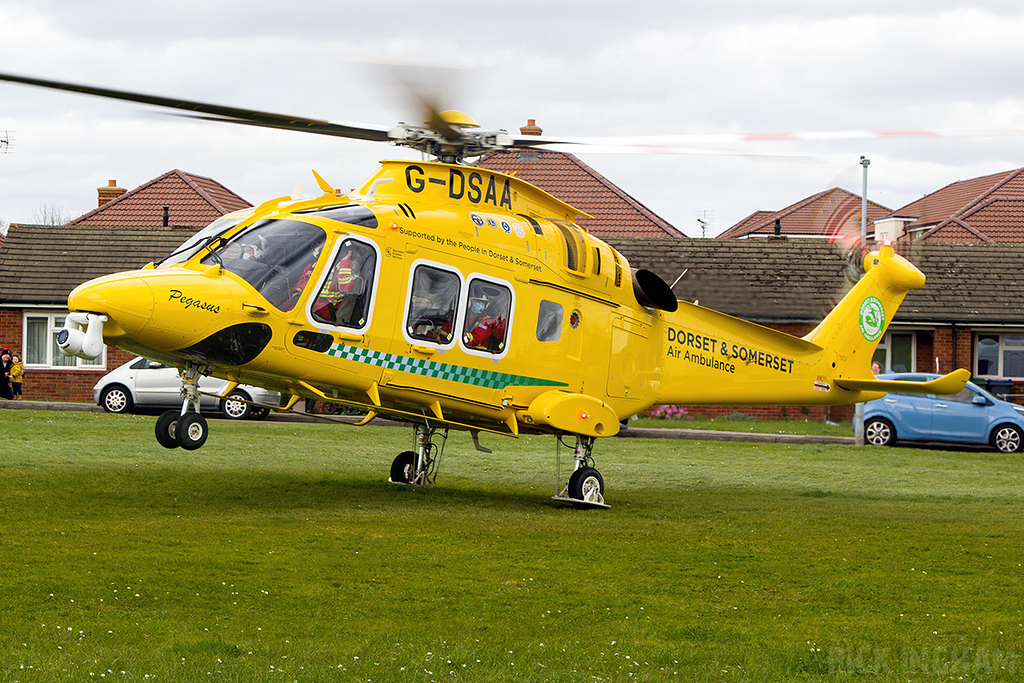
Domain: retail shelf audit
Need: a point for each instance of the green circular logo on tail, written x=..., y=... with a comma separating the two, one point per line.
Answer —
x=872, y=318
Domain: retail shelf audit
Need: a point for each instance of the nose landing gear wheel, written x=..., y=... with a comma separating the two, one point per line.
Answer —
x=165, y=428
x=191, y=431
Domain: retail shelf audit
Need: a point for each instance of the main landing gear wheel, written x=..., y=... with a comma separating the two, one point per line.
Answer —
x=419, y=467
x=587, y=485
x=585, y=488
x=165, y=428
x=403, y=467
x=191, y=431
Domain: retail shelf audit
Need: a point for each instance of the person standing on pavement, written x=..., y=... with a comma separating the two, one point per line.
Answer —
x=5, y=375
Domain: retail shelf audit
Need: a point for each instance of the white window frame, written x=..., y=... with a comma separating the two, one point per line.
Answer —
x=53, y=327
x=328, y=267
x=463, y=312
x=456, y=322
x=886, y=345
x=1001, y=335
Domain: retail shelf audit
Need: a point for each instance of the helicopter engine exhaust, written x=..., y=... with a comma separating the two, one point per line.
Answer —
x=72, y=341
x=652, y=292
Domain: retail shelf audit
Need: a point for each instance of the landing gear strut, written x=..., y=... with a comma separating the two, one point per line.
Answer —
x=419, y=467
x=186, y=428
x=585, y=488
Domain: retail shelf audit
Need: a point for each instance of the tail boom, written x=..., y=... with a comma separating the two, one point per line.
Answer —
x=713, y=358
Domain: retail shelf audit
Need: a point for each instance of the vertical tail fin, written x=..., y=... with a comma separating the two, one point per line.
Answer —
x=857, y=323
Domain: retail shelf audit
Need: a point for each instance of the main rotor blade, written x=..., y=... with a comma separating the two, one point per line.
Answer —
x=697, y=144
x=215, y=112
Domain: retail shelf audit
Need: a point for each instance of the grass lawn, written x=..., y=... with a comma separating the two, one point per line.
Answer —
x=278, y=552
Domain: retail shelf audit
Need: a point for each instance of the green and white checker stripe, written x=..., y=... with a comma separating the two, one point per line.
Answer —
x=429, y=368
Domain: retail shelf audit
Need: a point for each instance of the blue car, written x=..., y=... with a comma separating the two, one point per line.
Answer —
x=973, y=416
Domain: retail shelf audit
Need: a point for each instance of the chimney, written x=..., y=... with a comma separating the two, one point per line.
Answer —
x=167, y=216
x=531, y=128
x=111, y=191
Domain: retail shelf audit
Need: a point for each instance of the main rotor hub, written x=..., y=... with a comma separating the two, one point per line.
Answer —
x=450, y=149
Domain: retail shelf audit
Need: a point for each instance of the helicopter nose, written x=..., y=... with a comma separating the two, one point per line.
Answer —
x=125, y=298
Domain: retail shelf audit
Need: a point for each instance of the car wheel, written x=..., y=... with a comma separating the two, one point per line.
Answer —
x=879, y=432
x=116, y=399
x=235, y=407
x=1007, y=439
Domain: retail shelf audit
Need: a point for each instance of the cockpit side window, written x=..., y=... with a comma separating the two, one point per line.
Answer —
x=487, y=313
x=344, y=297
x=274, y=256
x=434, y=299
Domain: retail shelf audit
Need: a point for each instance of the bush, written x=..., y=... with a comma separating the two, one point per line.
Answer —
x=668, y=412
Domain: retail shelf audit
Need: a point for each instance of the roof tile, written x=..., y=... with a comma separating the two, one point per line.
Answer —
x=193, y=201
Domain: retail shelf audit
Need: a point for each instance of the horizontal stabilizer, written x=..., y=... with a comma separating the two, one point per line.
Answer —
x=943, y=386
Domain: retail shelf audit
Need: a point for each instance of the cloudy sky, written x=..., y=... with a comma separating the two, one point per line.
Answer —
x=591, y=68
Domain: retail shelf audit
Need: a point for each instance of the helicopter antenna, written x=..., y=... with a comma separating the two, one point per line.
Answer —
x=679, y=278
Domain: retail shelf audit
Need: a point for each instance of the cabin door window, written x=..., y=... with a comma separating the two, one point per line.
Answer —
x=434, y=298
x=488, y=306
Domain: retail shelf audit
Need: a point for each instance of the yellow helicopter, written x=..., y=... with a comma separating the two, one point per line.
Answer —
x=452, y=297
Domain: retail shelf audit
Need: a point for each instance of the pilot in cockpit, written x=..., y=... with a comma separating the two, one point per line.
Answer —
x=336, y=302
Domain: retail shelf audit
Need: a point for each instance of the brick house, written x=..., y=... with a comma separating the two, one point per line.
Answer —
x=41, y=264
x=832, y=214
x=984, y=210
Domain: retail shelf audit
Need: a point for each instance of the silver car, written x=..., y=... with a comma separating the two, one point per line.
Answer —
x=142, y=383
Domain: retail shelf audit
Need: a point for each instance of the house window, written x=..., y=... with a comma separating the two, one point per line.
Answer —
x=999, y=355
x=41, y=351
x=895, y=353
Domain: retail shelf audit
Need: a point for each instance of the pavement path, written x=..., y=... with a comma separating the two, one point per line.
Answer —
x=628, y=432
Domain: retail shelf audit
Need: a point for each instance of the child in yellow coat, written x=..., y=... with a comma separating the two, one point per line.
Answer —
x=17, y=375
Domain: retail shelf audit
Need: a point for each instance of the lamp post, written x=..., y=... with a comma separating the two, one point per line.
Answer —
x=858, y=410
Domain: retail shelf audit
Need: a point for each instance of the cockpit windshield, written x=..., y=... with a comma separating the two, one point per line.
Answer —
x=274, y=256
x=199, y=240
